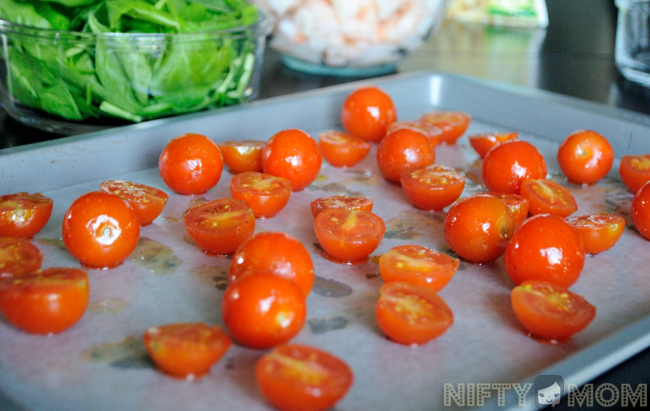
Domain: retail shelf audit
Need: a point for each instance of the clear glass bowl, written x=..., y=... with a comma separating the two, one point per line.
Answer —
x=75, y=82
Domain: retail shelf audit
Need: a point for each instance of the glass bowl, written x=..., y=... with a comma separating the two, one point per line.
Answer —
x=350, y=37
x=71, y=82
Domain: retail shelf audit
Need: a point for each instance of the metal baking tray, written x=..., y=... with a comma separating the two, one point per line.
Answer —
x=99, y=364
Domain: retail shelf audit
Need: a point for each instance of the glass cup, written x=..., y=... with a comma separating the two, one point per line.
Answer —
x=632, y=53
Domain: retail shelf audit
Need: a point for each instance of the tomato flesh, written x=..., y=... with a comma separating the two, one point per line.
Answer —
x=18, y=256
x=266, y=194
x=598, y=232
x=482, y=143
x=242, y=156
x=342, y=149
x=517, y=204
x=452, y=123
x=350, y=203
x=23, y=215
x=433, y=187
x=635, y=171
x=432, y=132
x=641, y=210
x=418, y=265
x=147, y=202
x=548, y=197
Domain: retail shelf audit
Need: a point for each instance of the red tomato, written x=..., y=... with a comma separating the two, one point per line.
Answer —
x=641, y=210
x=517, y=204
x=147, y=202
x=279, y=253
x=367, y=112
x=598, y=232
x=550, y=312
x=404, y=149
x=266, y=194
x=635, y=171
x=294, y=155
x=585, y=156
x=100, y=230
x=510, y=163
x=262, y=310
x=411, y=314
x=348, y=236
x=242, y=156
x=417, y=265
x=350, y=203
x=478, y=228
x=23, y=215
x=432, y=132
x=548, y=197
x=45, y=301
x=18, y=256
x=482, y=143
x=220, y=226
x=301, y=378
x=452, y=123
x=342, y=149
x=545, y=248
x=191, y=164
x=433, y=187
x=186, y=350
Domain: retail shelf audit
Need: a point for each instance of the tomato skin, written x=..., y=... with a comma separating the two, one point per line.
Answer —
x=219, y=226
x=641, y=210
x=508, y=164
x=23, y=215
x=262, y=310
x=186, y=350
x=404, y=149
x=367, y=112
x=635, y=171
x=517, y=204
x=433, y=187
x=452, y=123
x=598, y=232
x=585, y=156
x=266, y=194
x=296, y=377
x=45, y=301
x=478, y=228
x=100, y=230
x=410, y=314
x=432, y=132
x=549, y=311
x=548, y=197
x=18, y=256
x=277, y=252
x=482, y=143
x=294, y=155
x=350, y=203
x=417, y=265
x=342, y=149
x=545, y=248
x=147, y=202
x=191, y=164
x=242, y=156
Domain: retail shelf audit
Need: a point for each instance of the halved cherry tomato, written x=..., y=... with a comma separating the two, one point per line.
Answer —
x=545, y=248
x=548, y=197
x=220, y=226
x=45, y=301
x=404, y=149
x=100, y=230
x=342, y=149
x=452, y=123
x=635, y=171
x=262, y=310
x=510, y=163
x=294, y=155
x=18, y=256
x=191, y=164
x=266, y=194
x=296, y=377
x=432, y=132
x=550, y=312
x=348, y=236
x=367, y=112
x=147, y=202
x=417, y=265
x=350, y=203
x=517, y=204
x=433, y=187
x=411, y=314
x=641, y=210
x=186, y=350
x=478, y=228
x=242, y=156
x=277, y=252
x=23, y=215
x=484, y=142
x=585, y=156
x=599, y=232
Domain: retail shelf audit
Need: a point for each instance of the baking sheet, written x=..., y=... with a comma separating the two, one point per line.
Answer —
x=100, y=364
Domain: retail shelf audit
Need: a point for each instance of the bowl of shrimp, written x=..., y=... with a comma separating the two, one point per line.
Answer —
x=350, y=37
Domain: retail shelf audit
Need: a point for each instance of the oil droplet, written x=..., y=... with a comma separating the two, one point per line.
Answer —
x=197, y=201
x=54, y=242
x=108, y=306
x=330, y=288
x=157, y=258
x=170, y=219
x=126, y=353
x=323, y=325
x=406, y=225
x=212, y=276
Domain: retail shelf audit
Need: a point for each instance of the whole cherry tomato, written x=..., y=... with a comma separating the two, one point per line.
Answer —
x=296, y=377
x=45, y=301
x=100, y=230
x=517, y=204
x=545, y=248
x=266, y=194
x=23, y=215
x=547, y=197
x=641, y=210
x=342, y=149
x=484, y=142
x=402, y=150
x=18, y=256
x=350, y=203
x=191, y=164
x=452, y=123
x=635, y=171
x=242, y=156
x=367, y=112
x=510, y=163
x=585, y=156
x=432, y=132
x=598, y=232
x=147, y=202
x=433, y=187
x=292, y=154
x=417, y=265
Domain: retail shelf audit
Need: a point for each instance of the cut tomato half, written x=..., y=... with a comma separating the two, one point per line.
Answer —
x=147, y=202
x=548, y=197
x=598, y=232
x=418, y=265
x=266, y=194
x=452, y=123
x=349, y=203
x=433, y=187
x=635, y=171
x=482, y=143
x=342, y=149
x=23, y=215
x=18, y=256
x=242, y=156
